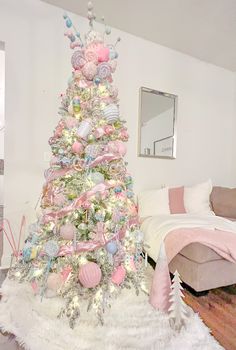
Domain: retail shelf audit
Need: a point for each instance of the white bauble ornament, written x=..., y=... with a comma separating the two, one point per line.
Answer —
x=84, y=129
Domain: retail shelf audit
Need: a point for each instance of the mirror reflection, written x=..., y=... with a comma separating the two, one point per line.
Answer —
x=157, y=124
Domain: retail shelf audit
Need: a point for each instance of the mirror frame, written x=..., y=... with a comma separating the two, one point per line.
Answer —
x=175, y=98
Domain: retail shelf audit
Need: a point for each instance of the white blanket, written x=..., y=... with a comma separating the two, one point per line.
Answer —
x=156, y=228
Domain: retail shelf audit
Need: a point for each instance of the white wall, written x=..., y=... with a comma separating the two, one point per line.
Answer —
x=37, y=69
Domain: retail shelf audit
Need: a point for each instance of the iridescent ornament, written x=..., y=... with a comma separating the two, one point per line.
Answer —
x=82, y=227
x=51, y=248
x=90, y=275
x=111, y=247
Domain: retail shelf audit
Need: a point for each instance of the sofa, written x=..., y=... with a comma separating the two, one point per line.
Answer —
x=200, y=267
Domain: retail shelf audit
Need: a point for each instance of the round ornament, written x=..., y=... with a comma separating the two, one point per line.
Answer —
x=118, y=275
x=51, y=248
x=111, y=247
x=68, y=231
x=77, y=147
x=54, y=281
x=89, y=70
x=104, y=70
x=90, y=275
x=111, y=113
x=78, y=60
x=99, y=132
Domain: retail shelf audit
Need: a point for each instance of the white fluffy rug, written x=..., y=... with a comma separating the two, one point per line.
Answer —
x=131, y=323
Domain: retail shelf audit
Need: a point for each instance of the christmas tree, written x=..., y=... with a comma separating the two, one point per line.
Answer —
x=86, y=243
x=178, y=309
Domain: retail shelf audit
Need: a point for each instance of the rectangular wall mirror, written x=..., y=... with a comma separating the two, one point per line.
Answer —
x=157, y=124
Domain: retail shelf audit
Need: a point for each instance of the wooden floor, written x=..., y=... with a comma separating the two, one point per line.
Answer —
x=218, y=311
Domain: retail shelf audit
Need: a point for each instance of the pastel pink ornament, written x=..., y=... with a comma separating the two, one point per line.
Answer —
x=118, y=275
x=54, y=281
x=77, y=147
x=124, y=134
x=90, y=275
x=99, y=132
x=109, y=129
x=68, y=231
x=103, y=54
x=89, y=70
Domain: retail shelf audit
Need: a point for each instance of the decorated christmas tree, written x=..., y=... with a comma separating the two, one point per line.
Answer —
x=86, y=243
x=178, y=309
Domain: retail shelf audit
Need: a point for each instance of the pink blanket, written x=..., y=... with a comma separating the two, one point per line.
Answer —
x=222, y=242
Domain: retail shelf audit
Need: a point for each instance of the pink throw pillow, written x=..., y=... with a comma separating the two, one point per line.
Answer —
x=176, y=200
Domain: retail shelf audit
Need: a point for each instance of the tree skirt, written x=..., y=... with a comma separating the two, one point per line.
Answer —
x=131, y=323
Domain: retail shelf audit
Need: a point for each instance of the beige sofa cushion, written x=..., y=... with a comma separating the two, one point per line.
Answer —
x=199, y=253
x=223, y=201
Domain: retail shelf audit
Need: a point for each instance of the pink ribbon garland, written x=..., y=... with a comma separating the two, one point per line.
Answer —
x=108, y=157
x=78, y=202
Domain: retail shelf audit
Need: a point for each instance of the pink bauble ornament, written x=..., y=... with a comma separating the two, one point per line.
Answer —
x=103, y=54
x=99, y=132
x=124, y=134
x=68, y=231
x=108, y=129
x=54, y=281
x=118, y=275
x=89, y=70
x=77, y=147
x=90, y=275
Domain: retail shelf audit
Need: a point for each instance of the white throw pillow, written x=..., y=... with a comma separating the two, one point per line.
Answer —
x=154, y=202
x=197, y=198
